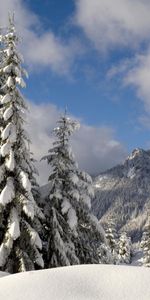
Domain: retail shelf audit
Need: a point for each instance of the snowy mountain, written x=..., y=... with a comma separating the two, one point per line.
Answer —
x=86, y=282
x=122, y=194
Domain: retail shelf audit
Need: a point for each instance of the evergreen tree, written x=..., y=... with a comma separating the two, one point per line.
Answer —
x=111, y=237
x=145, y=245
x=90, y=243
x=124, y=249
x=105, y=255
x=20, y=243
x=60, y=214
x=73, y=232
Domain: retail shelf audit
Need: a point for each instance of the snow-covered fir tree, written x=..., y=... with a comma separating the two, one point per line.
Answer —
x=112, y=241
x=59, y=211
x=105, y=255
x=91, y=246
x=124, y=249
x=73, y=232
x=20, y=244
x=145, y=245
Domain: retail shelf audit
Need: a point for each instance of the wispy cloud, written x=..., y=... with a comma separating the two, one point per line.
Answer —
x=139, y=76
x=135, y=72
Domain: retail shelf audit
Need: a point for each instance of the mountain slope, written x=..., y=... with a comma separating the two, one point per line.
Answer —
x=122, y=194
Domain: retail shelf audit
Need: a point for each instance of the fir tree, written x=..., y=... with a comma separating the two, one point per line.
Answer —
x=145, y=245
x=73, y=232
x=111, y=237
x=20, y=244
x=90, y=243
x=60, y=214
x=124, y=249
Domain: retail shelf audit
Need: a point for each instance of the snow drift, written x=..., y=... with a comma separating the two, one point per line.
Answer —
x=86, y=282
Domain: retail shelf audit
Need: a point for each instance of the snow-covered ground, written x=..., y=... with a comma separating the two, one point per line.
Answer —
x=88, y=282
x=2, y=274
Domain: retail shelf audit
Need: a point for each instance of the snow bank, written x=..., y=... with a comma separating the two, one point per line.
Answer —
x=92, y=282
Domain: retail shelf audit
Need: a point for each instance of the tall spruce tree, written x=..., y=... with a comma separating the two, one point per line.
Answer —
x=74, y=235
x=60, y=214
x=20, y=244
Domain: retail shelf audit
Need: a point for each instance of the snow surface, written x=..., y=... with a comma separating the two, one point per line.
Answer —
x=7, y=193
x=131, y=173
x=14, y=229
x=10, y=162
x=6, y=99
x=28, y=207
x=8, y=113
x=72, y=218
x=21, y=82
x=5, y=149
x=6, y=131
x=2, y=274
x=25, y=181
x=10, y=82
x=88, y=282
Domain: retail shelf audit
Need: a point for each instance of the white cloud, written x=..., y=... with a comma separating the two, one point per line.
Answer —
x=39, y=48
x=96, y=149
x=111, y=23
x=139, y=76
x=40, y=123
x=135, y=72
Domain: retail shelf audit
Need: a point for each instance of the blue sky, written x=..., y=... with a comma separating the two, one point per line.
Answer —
x=88, y=94
x=94, y=58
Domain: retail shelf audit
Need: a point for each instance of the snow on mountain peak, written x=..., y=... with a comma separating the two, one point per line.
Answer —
x=136, y=152
x=123, y=194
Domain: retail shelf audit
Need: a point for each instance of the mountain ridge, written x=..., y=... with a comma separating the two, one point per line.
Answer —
x=122, y=194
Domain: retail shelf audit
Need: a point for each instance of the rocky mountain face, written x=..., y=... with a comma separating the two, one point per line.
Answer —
x=122, y=194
